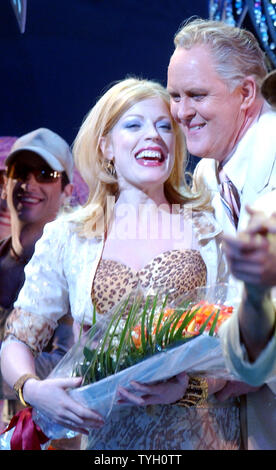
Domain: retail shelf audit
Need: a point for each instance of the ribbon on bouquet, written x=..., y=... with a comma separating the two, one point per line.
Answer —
x=27, y=435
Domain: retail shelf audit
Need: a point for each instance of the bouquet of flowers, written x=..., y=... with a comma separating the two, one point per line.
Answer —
x=140, y=328
x=145, y=338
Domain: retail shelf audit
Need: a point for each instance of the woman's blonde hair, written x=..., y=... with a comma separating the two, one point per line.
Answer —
x=93, y=167
x=236, y=51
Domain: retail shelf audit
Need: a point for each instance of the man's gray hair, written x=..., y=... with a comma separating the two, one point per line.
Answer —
x=236, y=51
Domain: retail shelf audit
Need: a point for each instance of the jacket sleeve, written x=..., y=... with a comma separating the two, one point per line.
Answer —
x=43, y=299
x=256, y=373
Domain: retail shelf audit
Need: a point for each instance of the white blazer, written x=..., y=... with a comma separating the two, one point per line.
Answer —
x=261, y=405
x=60, y=274
x=265, y=366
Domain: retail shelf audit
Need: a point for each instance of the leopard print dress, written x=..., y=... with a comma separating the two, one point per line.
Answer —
x=213, y=426
x=177, y=271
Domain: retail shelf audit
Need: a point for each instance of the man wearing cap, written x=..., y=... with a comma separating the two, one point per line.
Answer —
x=38, y=182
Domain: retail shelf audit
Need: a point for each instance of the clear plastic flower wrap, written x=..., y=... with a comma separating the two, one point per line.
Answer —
x=147, y=337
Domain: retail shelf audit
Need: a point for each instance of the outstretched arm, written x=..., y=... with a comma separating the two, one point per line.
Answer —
x=252, y=259
x=248, y=338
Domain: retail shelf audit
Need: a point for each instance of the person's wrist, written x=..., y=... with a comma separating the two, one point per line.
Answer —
x=215, y=384
x=20, y=387
x=256, y=294
x=29, y=388
x=196, y=393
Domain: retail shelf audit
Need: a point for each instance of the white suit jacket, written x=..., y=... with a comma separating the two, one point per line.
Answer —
x=252, y=169
x=261, y=405
x=264, y=368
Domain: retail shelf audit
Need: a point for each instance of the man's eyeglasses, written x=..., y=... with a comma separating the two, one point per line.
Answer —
x=20, y=172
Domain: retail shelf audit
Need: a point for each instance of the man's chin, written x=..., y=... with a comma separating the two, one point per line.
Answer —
x=29, y=216
x=200, y=152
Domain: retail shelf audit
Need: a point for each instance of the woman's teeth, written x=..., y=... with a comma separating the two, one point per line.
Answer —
x=150, y=154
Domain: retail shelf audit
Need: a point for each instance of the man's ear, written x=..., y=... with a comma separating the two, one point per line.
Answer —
x=68, y=189
x=248, y=90
x=65, y=197
x=67, y=194
x=4, y=188
x=106, y=147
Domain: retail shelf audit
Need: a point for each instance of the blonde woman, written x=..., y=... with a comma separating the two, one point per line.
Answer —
x=141, y=224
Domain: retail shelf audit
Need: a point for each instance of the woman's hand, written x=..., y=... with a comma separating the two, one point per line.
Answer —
x=214, y=384
x=165, y=392
x=234, y=389
x=50, y=397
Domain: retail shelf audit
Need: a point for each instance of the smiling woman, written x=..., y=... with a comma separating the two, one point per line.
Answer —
x=142, y=145
x=128, y=149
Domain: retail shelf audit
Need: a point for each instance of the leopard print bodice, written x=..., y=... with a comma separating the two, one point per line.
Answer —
x=175, y=270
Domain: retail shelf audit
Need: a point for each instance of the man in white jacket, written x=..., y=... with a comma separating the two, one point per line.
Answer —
x=248, y=338
x=214, y=79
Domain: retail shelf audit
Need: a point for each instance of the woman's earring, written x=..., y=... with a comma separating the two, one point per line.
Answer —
x=110, y=168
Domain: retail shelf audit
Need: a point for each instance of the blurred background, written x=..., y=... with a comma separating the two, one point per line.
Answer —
x=58, y=56
x=71, y=50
